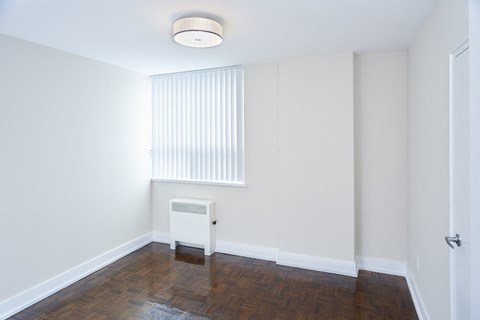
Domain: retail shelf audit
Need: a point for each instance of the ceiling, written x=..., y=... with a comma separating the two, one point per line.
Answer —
x=136, y=34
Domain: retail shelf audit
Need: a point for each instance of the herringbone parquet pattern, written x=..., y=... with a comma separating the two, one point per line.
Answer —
x=157, y=283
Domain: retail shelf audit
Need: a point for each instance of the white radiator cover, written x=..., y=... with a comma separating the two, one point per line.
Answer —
x=193, y=221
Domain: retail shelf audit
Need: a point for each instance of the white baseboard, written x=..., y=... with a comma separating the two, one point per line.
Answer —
x=273, y=254
x=246, y=250
x=393, y=267
x=416, y=296
x=161, y=237
x=31, y=296
x=342, y=267
x=237, y=249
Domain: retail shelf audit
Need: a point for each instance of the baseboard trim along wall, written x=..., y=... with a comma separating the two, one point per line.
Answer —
x=387, y=266
x=280, y=257
x=31, y=296
x=249, y=251
x=400, y=269
x=343, y=267
x=236, y=249
x=161, y=237
x=416, y=296
x=347, y=268
x=41, y=291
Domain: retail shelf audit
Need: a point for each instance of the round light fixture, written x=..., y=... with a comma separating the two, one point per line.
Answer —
x=197, y=32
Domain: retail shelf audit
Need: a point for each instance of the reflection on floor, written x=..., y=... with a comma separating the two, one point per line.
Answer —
x=158, y=283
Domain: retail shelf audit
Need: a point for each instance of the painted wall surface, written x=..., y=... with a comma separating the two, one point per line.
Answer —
x=428, y=152
x=74, y=164
x=299, y=147
x=80, y=159
x=245, y=215
x=316, y=156
x=381, y=155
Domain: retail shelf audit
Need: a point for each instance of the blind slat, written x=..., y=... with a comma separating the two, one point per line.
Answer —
x=198, y=126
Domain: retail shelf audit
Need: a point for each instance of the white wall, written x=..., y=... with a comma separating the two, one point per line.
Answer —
x=299, y=119
x=428, y=152
x=316, y=213
x=76, y=168
x=245, y=215
x=299, y=145
x=381, y=155
x=74, y=164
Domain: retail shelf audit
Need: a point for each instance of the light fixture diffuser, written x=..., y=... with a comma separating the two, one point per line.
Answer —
x=197, y=32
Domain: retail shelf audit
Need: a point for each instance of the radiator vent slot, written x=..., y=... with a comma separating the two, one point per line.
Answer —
x=189, y=207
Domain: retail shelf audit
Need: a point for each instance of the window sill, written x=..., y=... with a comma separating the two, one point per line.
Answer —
x=209, y=183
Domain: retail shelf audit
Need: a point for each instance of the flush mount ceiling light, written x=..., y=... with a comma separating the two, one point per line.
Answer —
x=197, y=32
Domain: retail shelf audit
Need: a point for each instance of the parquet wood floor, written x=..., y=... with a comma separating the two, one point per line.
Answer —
x=157, y=283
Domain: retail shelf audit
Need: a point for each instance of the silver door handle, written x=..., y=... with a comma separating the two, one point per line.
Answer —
x=455, y=239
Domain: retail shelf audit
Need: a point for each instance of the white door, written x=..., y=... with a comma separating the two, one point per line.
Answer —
x=459, y=238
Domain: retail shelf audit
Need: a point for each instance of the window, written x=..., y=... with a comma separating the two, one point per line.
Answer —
x=198, y=126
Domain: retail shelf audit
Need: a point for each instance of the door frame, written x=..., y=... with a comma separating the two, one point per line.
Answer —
x=474, y=37
x=455, y=53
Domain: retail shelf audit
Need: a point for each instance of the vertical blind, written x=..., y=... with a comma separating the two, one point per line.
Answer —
x=198, y=126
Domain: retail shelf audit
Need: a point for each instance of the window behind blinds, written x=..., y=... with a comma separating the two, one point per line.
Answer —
x=198, y=126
